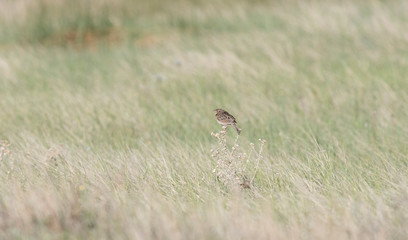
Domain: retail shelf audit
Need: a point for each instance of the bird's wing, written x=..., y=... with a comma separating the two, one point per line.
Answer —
x=229, y=117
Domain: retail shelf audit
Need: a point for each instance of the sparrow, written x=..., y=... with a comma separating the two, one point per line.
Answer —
x=226, y=119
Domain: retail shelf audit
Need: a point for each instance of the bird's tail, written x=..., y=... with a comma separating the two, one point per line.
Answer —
x=238, y=130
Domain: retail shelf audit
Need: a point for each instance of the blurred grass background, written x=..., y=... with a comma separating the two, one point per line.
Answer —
x=108, y=105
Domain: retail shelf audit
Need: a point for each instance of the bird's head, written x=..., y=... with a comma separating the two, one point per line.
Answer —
x=217, y=110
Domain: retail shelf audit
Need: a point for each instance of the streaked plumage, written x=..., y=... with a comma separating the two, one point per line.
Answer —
x=226, y=119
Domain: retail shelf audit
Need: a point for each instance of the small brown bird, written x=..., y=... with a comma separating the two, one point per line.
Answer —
x=226, y=119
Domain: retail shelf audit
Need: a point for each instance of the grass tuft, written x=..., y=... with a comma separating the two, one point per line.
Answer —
x=232, y=169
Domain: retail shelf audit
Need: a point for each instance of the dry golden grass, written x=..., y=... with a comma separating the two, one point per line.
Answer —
x=105, y=119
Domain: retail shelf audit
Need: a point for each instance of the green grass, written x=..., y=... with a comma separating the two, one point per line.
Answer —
x=107, y=106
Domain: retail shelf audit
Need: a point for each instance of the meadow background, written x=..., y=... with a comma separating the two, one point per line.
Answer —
x=106, y=118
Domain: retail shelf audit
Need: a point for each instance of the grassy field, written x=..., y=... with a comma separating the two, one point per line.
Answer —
x=106, y=119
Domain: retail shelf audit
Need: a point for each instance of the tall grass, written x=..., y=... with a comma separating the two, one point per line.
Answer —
x=105, y=119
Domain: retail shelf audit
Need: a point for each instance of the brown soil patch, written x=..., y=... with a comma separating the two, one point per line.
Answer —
x=85, y=39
